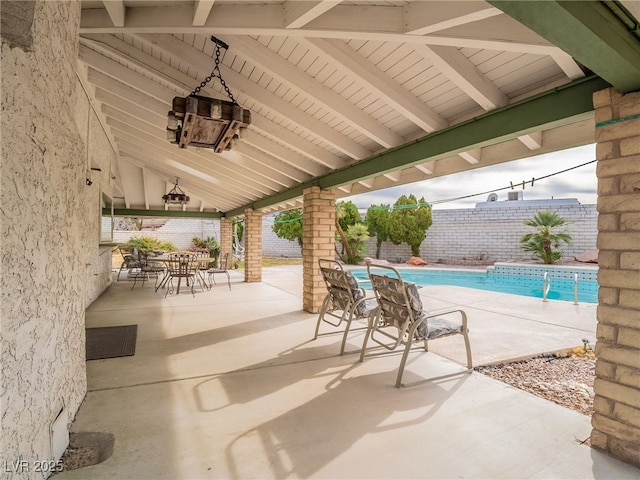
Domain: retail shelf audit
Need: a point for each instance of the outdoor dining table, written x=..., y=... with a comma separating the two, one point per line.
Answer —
x=167, y=260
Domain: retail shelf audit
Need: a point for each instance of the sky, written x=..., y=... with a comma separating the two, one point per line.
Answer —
x=579, y=183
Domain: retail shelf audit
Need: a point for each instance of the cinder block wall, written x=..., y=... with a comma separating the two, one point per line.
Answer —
x=181, y=231
x=492, y=233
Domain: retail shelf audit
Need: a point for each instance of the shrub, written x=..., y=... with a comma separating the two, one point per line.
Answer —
x=545, y=240
x=149, y=244
x=209, y=243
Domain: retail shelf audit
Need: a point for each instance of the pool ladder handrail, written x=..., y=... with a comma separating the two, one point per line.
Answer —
x=546, y=286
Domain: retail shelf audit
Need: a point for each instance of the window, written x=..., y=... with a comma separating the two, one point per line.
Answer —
x=106, y=224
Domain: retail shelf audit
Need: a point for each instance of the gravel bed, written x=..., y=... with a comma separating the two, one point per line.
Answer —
x=564, y=379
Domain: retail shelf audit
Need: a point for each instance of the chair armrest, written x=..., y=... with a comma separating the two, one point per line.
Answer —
x=462, y=313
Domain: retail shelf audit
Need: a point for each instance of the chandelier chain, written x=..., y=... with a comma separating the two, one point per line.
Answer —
x=215, y=73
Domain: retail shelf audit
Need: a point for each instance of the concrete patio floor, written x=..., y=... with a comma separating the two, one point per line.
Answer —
x=229, y=384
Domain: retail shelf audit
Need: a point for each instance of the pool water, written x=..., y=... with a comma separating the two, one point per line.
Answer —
x=561, y=289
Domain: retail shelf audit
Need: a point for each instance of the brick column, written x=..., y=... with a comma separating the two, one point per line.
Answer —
x=318, y=226
x=616, y=421
x=226, y=236
x=252, y=246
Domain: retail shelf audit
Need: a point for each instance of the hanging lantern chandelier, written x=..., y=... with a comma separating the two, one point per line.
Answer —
x=207, y=122
x=176, y=196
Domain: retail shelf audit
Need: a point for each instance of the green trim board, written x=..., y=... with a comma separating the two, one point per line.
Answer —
x=570, y=101
x=602, y=36
x=128, y=212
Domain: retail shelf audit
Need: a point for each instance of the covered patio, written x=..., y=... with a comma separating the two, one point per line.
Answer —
x=345, y=97
x=246, y=393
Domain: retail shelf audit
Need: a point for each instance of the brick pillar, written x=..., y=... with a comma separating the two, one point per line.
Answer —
x=252, y=246
x=616, y=418
x=318, y=226
x=226, y=236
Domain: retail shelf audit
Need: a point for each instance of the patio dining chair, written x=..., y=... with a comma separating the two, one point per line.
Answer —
x=401, y=319
x=182, y=265
x=345, y=300
x=225, y=264
x=148, y=268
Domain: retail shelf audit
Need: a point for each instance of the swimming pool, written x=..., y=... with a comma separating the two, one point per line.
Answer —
x=527, y=284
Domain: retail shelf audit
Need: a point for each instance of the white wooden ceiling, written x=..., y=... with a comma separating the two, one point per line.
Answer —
x=328, y=83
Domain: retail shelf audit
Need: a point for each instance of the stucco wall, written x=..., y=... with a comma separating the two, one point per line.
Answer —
x=50, y=219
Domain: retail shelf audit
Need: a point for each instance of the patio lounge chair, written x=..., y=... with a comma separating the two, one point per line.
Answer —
x=345, y=300
x=130, y=261
x=401, y=318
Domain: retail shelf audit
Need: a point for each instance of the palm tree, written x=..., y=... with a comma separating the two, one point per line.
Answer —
x=544, y=240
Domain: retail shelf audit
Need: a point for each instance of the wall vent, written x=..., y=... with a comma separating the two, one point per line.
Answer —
x=59, y=435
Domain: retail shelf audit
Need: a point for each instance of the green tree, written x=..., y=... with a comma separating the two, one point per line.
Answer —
x=409, y=221
x=349, y=214
x=377, y=222
x=357, y=235
x=543, y=242
x=289, y=225
x=347, y=217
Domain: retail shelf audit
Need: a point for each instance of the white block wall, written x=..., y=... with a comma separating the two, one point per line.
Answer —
x=179, y=231
x=182, y=231
x=492, y=233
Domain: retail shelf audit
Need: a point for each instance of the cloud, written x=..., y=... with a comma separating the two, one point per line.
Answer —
x=580, y=183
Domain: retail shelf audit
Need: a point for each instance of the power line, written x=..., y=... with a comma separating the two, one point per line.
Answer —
x=512, y=185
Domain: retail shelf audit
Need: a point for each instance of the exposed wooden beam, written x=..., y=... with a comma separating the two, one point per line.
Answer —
x=393, y=176
x=298, y=163
x=114, y=47
x=572, y=102
x=182, y=52
x=287, y=73
x=297, y=14
x=424, y=169
x=472, y=156
x=201, y=10
x=588, y=31
x=127, y=76
x=346, y=22
x=455, y=66
x=375, y=80
x=533, y=140
x=429, y=17
x=116, y=11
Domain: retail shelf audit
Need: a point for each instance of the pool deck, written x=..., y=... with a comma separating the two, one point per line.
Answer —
x=229, y=384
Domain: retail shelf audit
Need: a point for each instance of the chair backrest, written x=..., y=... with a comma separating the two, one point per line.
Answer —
x=125, y=250
x=202, y=254
x=225, y=261
x=182, y=263
x=341, y=285
x=400, y=303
